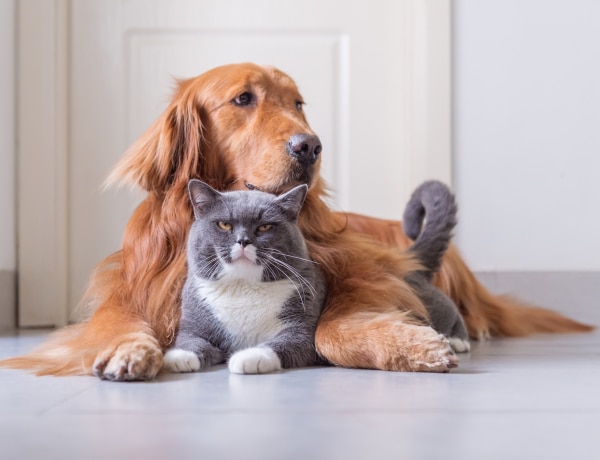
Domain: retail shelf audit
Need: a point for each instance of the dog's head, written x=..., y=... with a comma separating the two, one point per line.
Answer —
x=237, y=126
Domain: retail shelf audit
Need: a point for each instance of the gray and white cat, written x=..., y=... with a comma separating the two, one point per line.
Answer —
x=434, y=202
x=252, y=295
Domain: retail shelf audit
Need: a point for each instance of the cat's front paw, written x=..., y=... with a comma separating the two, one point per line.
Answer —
x=178, y=360
x=258, y=360
x=459, y=345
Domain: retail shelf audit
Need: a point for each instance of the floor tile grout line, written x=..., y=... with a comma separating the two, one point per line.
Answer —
x=67, y=398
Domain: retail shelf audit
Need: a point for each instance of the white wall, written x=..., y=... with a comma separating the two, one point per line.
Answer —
x=527, y=133
x=7, y=133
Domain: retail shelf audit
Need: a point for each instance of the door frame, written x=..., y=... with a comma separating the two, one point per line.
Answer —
x=42, y=161
x=42, y=157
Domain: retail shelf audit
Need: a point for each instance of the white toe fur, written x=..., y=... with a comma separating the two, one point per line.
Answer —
x=459, y=345
x=257, y=360
x=178, y=360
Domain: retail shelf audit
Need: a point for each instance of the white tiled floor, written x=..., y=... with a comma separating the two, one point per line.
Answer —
x=519, y=398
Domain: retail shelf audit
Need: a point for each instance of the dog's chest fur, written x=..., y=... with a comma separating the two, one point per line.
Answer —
x=249, y=311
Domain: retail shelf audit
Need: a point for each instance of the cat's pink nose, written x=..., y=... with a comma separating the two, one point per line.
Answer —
x=243, y=242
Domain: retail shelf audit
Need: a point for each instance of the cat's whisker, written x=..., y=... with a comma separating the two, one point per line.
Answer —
x=270, y=270
x=283, y=264
x=277, y=251
x=296, y=286
x=210, y=260
x=303, y=281
x=280, y=266
x=209, y=265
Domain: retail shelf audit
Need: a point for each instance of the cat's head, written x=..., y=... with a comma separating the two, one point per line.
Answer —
x=239, y=233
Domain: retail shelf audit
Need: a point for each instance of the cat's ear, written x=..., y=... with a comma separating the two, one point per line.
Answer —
x=293, y=200
x=202, y=196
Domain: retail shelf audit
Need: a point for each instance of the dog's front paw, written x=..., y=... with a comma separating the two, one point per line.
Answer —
x=179, y=360
x=433, y=353
x=436, y=355
x=258, y=360
x=416, y=349
x=134, y=356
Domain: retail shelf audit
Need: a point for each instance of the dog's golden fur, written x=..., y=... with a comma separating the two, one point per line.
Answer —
x=371, y=319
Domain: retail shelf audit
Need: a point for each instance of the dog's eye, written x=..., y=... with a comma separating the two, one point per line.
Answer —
x=246, y=98
x=224, y=226
x=264, y=228
x=299, y=106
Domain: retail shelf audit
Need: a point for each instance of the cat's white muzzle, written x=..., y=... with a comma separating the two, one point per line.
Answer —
x=243, y=264
x=242, y=254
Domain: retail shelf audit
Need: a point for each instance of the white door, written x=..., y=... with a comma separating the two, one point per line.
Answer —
x=375, y=75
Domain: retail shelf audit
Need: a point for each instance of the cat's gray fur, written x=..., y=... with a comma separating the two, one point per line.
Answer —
x=260, y=310
x=434, y=202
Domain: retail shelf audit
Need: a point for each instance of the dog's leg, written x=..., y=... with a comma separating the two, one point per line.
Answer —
x=381, y=340
x=133, y=356
x=128, y=350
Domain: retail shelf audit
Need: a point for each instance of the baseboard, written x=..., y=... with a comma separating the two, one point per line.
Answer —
x=8, y=300
x=574, y=294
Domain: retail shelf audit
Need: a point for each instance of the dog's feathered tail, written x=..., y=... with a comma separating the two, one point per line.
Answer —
x=485, y=314
x=490, y=315
x=60, y=355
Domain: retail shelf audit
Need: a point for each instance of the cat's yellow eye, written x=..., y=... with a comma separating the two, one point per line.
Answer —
x=224, y=226
x=264, y=228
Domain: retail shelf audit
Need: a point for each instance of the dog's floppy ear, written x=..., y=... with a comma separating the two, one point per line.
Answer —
x=170, y=148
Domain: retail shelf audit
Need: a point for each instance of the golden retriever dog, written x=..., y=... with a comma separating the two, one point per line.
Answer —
x=242, y=127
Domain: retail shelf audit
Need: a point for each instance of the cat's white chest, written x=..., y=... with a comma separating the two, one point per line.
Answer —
x=249, y=310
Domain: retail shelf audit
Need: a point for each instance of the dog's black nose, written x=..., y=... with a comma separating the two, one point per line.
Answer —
x=305, y=148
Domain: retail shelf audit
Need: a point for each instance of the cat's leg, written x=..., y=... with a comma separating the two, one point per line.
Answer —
x=459, y=337
x=295, y=346
x=444, y=317
x=191, y=354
